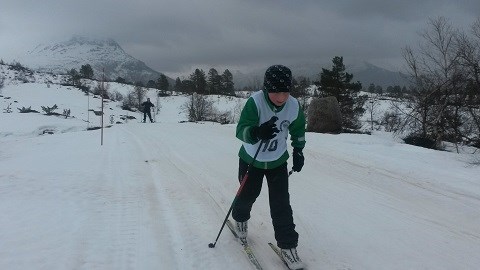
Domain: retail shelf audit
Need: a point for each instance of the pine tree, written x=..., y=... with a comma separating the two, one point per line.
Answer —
x=337, y=82
x=162, y=83
x=214, y=82
x=151, y=84
x=300, y=87
x=227, y=83
x=120, y=80
x=188, y=86
x=178, y=85
x=86, y=71
x=199, y=81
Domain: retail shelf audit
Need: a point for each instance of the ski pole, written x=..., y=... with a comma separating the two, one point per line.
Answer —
x=244, y=180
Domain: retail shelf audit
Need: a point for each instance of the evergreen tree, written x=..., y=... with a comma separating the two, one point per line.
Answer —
x=188, y=86
x=199, y=81
x=162, y=83
x=120, y=80
x=86, y=71
x=337, y=82
x=300, y=86
x=227, y=83
x=151, y=84
x=178, y=85
x=371, y=88
x=214, y=82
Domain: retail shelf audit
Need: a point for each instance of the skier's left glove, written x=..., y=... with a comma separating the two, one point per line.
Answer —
x=298, y=159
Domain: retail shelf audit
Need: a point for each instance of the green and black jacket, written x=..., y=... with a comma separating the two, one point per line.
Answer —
x=291, y=121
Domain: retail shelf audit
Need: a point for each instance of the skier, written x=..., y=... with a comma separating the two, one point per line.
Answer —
x=146, y=110
x=254, y=128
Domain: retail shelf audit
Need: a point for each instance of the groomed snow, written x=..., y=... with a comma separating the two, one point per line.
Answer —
x=154, y=195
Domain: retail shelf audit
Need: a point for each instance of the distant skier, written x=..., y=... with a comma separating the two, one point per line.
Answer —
x=256, y=126
x=146, y=110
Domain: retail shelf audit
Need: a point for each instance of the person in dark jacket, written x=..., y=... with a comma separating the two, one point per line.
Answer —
x=269, y=116
x=146, y=110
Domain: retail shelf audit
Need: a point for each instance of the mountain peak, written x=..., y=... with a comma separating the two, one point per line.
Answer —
x=103, y=54
x=78, y=40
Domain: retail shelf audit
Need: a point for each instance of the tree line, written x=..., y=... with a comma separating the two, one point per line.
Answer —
x=212, y=83
x=198, y=82
x=442, y=102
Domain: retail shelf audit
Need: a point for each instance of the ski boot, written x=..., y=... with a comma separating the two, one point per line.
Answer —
x=290, y=256
x=241, y=228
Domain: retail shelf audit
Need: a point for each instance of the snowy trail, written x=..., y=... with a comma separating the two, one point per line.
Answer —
x=154, y=195
x=169, y=203
x=375, y=198
x=191, y=190
x=118, y=217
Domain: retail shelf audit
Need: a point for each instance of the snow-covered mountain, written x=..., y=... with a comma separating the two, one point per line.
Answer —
x=101, y=54
x=368, y=73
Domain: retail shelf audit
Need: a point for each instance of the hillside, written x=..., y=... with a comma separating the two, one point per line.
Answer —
x=36, y=89
x=154, y=195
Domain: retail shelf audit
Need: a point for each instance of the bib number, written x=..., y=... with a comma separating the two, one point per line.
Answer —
x=270, y=145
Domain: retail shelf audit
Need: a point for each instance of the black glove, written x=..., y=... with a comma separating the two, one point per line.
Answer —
x=265, y=131
x=298, y=159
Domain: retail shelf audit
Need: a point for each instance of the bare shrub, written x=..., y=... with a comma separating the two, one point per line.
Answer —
x=198, y=108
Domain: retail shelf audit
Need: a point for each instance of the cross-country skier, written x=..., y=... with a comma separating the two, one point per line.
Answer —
x=146, y=110
x=253, y=128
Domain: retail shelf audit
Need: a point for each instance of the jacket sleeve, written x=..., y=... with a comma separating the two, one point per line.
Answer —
x=248, y=119
x=297, y=130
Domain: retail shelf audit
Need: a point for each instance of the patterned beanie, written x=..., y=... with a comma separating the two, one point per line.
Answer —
x=278, y=78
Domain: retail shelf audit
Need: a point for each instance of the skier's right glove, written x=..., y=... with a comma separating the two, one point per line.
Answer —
x=298, y=159
x=265, y=131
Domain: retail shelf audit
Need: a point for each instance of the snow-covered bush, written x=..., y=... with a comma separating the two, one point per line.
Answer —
x=27, y=110
x=66, y=113
x=50, y=110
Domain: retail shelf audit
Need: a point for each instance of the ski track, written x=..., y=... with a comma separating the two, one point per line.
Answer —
x=118, y=212
x=179, y=198
x=198, y=188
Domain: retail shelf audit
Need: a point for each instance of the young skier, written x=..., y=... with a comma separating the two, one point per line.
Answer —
x=265, y=122
x=146, y=110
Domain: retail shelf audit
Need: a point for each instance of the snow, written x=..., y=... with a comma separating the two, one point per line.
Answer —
x=155, y=195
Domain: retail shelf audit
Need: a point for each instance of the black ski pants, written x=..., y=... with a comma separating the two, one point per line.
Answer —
x=145, y=113
x=279, y=198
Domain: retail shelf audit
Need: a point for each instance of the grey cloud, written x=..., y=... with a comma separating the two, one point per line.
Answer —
x=177, y=35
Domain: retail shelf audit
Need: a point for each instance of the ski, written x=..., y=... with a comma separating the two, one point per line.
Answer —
x=279, y=254
x=246, y=248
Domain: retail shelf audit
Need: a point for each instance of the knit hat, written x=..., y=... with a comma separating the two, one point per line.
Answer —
x=278, y=78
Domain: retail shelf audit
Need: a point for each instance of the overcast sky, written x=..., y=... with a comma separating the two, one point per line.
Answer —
x=174, y=36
